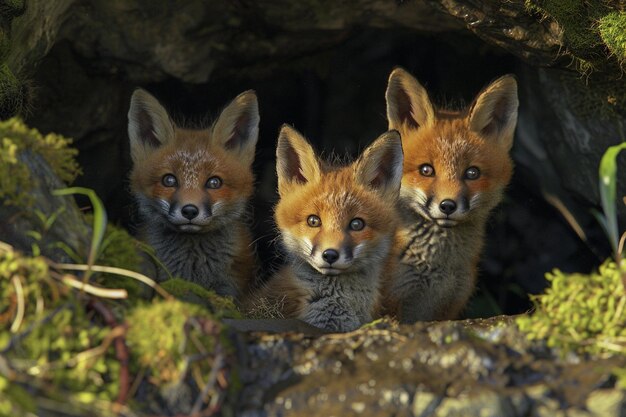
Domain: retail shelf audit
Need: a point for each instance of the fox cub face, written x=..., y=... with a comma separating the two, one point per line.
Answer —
x=456, y=164
x=337, y=219
x=192, y=180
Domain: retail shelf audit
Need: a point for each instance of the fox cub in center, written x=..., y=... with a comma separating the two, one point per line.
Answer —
x=337, y=224
x=192, y=187
x=456, y=166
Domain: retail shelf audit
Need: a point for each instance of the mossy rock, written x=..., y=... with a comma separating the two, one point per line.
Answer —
x=593, y=31
x=13, y=94
x=11, y=8
x=222, y=307
x=15, y=178
x=159, y=336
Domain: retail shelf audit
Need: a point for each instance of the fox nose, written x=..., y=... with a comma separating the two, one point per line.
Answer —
x=447, y=206
x=330, y=255
x=189, y=211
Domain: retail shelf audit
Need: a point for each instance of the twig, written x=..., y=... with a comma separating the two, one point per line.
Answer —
x=112, y=293
x=121, y=352
x=117, y=271
x=218, y=363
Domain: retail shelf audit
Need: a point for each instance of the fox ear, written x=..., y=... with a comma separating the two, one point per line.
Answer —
x=494, y=111
x=380, y=165
x=237, y=128
x=296, y=162
x=149, y=125
x=407, y=102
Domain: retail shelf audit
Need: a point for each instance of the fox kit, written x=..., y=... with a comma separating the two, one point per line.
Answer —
x=192, y=188
x=456, y=166
x=337, y=224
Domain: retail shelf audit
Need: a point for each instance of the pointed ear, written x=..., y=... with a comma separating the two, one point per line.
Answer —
x=380, y=165
x=296, y=162
x=407, y=102
x=237, y=128
x=149, y=125
x=494, y=111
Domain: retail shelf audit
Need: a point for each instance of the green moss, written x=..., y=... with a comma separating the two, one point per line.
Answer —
x=13, y=94
x=159, y=338
x=593, y=31
x=46, y=332
x=576, y=18
x=11, y=8
x=15, y=178
x=190, y=292
x=118, y=249
x=581, y=313
x=612, y=29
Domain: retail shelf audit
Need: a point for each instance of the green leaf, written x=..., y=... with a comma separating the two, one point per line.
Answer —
x=99, y=220
x=607, y=182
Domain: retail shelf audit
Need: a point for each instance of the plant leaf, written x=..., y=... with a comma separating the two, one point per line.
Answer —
x=607, y=184
x=99, y=220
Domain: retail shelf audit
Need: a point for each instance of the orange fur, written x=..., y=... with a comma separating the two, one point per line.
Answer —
x=443, y=206
x=308, y=287
x=213, y=246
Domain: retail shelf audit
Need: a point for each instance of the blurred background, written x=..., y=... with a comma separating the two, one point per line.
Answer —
x=322, y=66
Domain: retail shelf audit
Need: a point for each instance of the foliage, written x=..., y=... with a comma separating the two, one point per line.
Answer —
x=15, y=178
x=45, y=333
x=164, y=345
x=607, y=184
x=118, y=249
x=612, y=29
x=581, y=313
x=589, y=28
x=587, y=313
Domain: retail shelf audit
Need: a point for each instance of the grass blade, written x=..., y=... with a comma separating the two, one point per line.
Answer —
x=99, y=221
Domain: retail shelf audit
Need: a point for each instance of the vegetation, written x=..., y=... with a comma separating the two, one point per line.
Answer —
x=96, y=336
x=15, y=179
x=592, y=30
x=580, y=312
x=587, y=313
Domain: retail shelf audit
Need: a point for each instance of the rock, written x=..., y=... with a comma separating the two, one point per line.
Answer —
x=465, y=368
x=69, y=226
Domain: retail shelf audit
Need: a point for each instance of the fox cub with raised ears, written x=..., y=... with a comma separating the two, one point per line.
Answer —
x=456, y=166
x=337, y=225
x=192, y=187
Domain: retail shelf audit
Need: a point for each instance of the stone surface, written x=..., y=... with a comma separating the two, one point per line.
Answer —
x=69, y=226
x=466, y=368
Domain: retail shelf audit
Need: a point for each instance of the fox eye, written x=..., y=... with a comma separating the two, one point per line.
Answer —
x=357, y=224
x=472, y=173
x=314, y=221
x=214, y=182
x=427, y=170
x=169, y=180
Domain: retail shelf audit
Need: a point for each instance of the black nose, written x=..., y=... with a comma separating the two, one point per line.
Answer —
x=330, y=255
x=447, y=206
x=189, y=211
